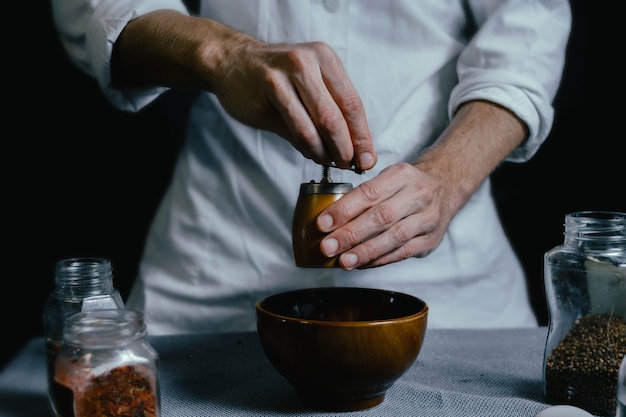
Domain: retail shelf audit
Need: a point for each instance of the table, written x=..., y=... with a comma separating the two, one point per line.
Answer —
x=459, y=372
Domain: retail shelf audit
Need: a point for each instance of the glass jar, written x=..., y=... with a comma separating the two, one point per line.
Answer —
x=106, y=366
x=621, y=390
x=585, y=280
x=81, y=284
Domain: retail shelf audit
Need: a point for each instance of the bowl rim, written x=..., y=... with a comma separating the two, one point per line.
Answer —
x=344, y=323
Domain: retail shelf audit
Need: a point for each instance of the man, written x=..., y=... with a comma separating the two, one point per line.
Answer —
x=426, y=97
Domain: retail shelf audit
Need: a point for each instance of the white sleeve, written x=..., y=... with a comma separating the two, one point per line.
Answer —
x=89, y=28
x=516, y=59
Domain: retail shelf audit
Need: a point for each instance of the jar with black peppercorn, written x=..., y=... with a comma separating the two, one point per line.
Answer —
x=585, y=280
x=107, y=367
x=621, y=390
x=81, y=284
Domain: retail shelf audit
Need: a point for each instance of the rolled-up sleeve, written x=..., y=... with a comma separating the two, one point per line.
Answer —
x=88, y=30
x=516, y=59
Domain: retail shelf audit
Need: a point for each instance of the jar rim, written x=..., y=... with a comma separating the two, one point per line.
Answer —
x=592, y=222
x=598, y=215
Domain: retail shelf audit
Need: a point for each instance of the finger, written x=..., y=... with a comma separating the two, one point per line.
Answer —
x=326, y=114
x=357, y=201
x=377, y=231
x=303, y=132
x=407, y=238
x=353, y=112
x=418, y=247
x=349, y=103
x=374, y=231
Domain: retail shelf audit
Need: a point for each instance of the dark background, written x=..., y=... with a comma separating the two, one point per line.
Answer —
x=83, y=179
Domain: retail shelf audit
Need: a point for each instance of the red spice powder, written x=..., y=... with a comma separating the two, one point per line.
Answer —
x=122, y=392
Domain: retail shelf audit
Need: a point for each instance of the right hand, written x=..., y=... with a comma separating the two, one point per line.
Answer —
x=298, y=91
x=302, y=93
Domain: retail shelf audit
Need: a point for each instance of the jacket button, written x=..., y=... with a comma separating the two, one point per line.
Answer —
x=332, y=5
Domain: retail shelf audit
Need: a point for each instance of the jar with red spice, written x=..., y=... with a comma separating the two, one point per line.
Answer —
x=106, y=367
x=81, y=284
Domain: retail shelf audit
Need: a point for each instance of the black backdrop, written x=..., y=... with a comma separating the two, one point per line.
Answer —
x=60, y=134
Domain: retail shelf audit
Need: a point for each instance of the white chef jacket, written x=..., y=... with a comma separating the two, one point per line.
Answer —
x=221, y=239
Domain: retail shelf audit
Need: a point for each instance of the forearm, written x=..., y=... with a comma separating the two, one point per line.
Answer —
x=479, y=137
x=167, y=48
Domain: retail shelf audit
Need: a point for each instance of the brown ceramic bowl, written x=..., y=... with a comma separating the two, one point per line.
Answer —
x=341, y=348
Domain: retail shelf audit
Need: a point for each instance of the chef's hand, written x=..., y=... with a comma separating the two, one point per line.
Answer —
x=303, y=93
x=398, y=214
x=406, y=209
x=299, y=91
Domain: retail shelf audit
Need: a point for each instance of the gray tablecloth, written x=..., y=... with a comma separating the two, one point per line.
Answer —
x=460, y=373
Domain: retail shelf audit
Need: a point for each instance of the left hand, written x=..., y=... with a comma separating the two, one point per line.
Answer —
x=400, y=213
x=406, y=209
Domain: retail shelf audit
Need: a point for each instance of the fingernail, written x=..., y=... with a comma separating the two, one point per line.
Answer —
x=349, y=260
x=325, y=222
x=330, y=246
x=366, y=160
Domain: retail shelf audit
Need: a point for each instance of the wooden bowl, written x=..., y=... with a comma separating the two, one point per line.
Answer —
x=341, y=348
